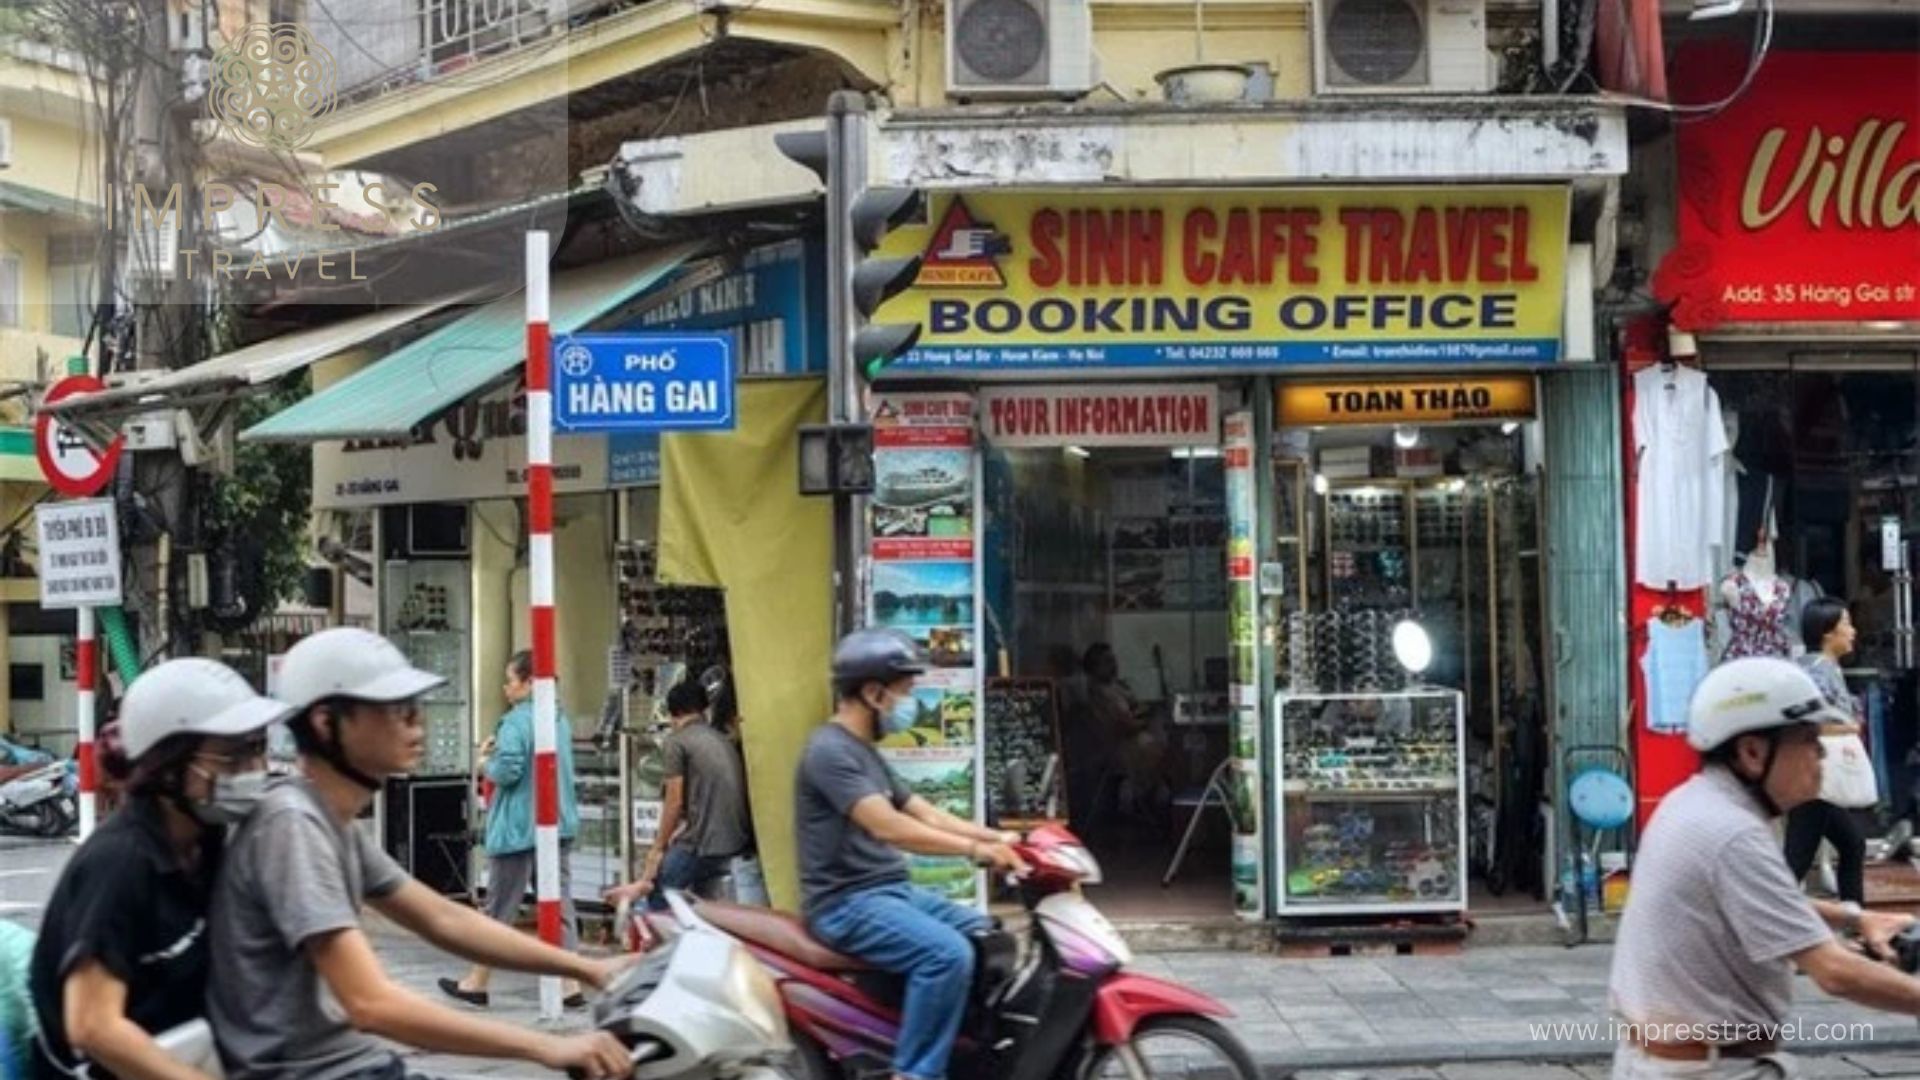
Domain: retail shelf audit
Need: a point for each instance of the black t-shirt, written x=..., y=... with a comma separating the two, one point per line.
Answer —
x=124, y=901
x=838, y=857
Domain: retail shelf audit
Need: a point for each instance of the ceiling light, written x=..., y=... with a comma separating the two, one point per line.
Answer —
x=1509, y=427
x=1186, y=453
x=1406, y=438
x=1320, y=485
x=1715, y=9
x=1079, y=451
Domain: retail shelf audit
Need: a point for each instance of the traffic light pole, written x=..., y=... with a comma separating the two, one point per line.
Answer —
x=846, y=175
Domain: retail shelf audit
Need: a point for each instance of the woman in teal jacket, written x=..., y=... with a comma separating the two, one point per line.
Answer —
x=508, y=762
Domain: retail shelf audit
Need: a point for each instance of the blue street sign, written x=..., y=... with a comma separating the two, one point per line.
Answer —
x=643, y=382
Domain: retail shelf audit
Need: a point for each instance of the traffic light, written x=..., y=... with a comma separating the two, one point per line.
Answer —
x=875, y=213
x=858, y=220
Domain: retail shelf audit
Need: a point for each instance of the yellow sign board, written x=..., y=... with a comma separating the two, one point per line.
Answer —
x=1077, y=281
x=1439, y=400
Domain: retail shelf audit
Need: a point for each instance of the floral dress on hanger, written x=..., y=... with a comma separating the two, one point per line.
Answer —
x=1758, y=625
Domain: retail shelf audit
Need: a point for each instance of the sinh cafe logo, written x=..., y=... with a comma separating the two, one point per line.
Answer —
x=271, y=84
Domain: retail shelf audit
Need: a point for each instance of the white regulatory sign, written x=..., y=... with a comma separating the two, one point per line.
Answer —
x=79, y=553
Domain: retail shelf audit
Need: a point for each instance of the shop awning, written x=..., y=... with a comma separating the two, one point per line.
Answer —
x=259, y=363
x=461, y=358
x=17, y=459
x=30, y=200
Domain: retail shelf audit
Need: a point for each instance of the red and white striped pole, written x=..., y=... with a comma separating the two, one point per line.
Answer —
x=546, y=767
x=84, y=680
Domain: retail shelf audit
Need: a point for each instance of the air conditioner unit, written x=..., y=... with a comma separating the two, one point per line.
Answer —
x=1402, y=47
x=1019, y=49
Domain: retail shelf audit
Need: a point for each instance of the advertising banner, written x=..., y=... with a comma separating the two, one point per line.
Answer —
x=1249, y=892
x=923, y=583
x=1800, y=202
x=1183, y=280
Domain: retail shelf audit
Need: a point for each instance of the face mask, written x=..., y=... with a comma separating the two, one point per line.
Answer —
x=900, y=715
x=234, y=797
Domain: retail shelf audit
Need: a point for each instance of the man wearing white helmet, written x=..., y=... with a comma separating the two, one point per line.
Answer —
x=1716, y=925
x=123, y=954
x=286, y=918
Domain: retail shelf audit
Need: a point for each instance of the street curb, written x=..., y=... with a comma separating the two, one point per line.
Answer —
x=1282, y=1066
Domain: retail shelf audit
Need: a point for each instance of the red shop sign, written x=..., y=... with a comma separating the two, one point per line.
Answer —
x=1801, y=201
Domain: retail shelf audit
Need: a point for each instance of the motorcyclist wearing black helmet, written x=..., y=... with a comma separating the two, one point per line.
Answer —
x=855, y=818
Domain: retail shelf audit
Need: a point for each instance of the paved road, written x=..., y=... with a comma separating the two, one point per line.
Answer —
x=1491, y=1012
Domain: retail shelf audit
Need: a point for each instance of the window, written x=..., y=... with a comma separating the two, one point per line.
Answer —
x=72, y=284
x=26, y=682
x=10, y=300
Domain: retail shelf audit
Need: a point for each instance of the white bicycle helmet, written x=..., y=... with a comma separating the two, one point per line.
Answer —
x=1753, y=694
x=351, y=663
x=191, y=696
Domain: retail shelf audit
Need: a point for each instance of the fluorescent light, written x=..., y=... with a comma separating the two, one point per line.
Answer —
x=1320, y=485
x=1185, y=453
x=1883, y=324
x=1406, y=438
x=1079, y=451
x=1715, y=9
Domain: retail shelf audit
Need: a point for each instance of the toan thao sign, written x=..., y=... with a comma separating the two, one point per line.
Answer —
x=79, y=553
x=643, y=382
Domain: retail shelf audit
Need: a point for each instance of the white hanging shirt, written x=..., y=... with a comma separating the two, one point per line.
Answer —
x=1681, y=505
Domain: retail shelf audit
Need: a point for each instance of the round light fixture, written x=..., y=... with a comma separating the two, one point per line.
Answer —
x=1406, y=438
x=1320, y=485
x=1412, y=647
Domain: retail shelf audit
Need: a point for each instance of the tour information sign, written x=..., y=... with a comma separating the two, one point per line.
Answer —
x=643, y=382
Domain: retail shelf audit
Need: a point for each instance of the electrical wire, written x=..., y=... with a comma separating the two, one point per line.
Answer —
x=1762, y=45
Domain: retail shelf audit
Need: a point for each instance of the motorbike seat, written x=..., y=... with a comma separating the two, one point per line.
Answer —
x=779, y=932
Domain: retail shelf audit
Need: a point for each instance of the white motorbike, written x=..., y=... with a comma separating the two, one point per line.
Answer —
x=43, y=802
x=699, y=1007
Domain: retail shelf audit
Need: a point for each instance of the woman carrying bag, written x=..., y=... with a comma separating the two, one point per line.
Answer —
x=1846, y=782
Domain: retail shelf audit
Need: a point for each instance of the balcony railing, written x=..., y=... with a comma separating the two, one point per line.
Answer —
x=378, y=52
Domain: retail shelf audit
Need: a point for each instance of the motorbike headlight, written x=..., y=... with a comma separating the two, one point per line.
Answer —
x=752, y=991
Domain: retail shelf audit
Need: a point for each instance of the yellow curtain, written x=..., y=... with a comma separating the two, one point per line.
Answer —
x=731, y=516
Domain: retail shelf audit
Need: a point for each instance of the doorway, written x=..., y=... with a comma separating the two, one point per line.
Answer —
x=1105, y=572
x=1826, y=471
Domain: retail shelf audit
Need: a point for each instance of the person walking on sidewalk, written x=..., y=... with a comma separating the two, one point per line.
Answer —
x=123, y=954
x=854, y=817
x=508, y=762
x=1828, y=632
x=1715, y=926
x=298, y=992
x=706, y=790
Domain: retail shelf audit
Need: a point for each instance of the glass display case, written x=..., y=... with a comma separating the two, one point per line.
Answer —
x=1368, y=812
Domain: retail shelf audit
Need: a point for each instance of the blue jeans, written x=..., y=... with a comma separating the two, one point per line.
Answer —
x=683, y=869
x=913, y=933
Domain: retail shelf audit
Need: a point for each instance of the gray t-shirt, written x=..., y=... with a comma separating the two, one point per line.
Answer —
x=292, y=873
x=838, y=857
x=713, y=793
x=1713, y=915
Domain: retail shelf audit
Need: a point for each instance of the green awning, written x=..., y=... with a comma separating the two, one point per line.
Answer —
x=17, y=459
x=17, y=196
x=462, y=358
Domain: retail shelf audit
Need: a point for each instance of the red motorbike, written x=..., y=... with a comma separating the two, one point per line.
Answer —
x=1062, y=1008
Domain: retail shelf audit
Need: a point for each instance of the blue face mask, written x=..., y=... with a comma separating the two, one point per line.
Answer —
x=900, y=715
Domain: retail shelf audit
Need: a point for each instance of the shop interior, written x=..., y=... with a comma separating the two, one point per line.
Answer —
x=1105, y=581
x=1824, y=499
x=1107, y=572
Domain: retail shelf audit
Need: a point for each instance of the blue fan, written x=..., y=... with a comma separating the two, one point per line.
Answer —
x=1601, y=799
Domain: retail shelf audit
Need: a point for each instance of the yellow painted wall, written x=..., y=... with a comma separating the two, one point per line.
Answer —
x=1135, y=39
x=24, y=237
x=55, y=158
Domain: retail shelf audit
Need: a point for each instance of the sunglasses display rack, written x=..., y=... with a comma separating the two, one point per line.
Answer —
x=1367, y=807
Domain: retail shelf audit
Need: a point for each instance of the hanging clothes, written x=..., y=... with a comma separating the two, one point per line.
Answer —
x=1758, y=623
x=1680, y=442
x=1674, y=663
